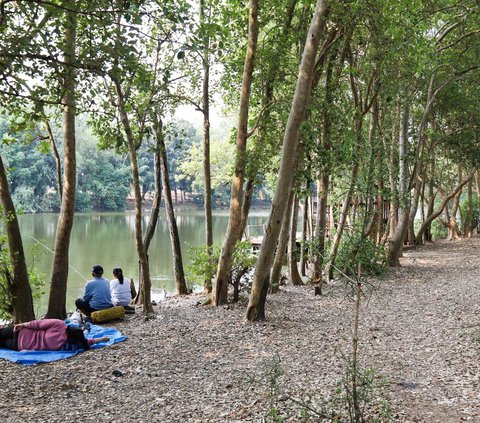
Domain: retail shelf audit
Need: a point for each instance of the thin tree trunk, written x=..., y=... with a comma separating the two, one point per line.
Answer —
x=19, y=288
x=142, y=255
x=342, y=222
x=469, y=212
x=246, y=204
x=56, y=155
x=452, y=221
x=324, y=175
x=256, y=306
x=180, y=284
x=58, y=287
x=321, y=225
x=152, y=224
x=295, y=277
x=234, y=229
x=303, y=253
x=282, y=244
x=206, y=143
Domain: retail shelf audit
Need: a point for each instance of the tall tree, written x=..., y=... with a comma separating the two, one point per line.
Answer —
x=18, y=282
x=233, y=233
x=58, y=287
x=261, y=280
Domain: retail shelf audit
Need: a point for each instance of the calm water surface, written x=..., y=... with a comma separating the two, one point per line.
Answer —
x=109, y=239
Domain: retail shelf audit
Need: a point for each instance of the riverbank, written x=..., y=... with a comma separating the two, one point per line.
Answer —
x=419, y=331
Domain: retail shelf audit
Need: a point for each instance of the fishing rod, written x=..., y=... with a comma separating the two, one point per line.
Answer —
x=69, y=265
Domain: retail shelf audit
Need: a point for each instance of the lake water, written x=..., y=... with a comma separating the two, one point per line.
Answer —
x=109, y=239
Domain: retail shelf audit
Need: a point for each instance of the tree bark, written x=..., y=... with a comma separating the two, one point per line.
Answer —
x=206, y=144
x=154, y=214
x=233, y=233
x=142, y=255
x=19, y=288
x=303, y=252
x=261, y=279
x=58, y=288
x=282, y=243
x=180, y=284
x=295, y=277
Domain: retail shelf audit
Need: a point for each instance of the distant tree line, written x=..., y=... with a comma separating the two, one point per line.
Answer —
x=103, y=176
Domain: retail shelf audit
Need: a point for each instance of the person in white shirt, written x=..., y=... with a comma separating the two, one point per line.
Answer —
x=120, y=288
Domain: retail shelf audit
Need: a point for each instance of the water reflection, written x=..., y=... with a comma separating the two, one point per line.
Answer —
x=109, y=239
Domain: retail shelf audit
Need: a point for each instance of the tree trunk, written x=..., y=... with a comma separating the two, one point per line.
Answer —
x=58, y=288
x=321, y=225
x=206, y=143
x=256, y=306
x=246, y=204
x=440, y=209
x=180, y=284
x=295, y=277
x=453, y=232
x=323, y=179
x=142, y=255
x=152, y=224
x=380, y=205
x=303, y=252
x=342, y=222
x=56, y=156
x=234, y=229
x=468, y=221
x=19, y=288
x=282, y=244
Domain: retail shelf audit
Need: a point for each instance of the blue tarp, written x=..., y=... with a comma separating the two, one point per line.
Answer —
x=35, y=357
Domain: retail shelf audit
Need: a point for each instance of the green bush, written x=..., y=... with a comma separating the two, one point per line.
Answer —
x=203, y=267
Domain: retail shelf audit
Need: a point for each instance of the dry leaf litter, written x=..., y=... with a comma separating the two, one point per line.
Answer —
x=419, y=331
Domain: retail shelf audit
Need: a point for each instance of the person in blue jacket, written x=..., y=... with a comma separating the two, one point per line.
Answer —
x=97, y=293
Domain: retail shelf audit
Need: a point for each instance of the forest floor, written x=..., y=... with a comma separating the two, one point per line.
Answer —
x=419, y=344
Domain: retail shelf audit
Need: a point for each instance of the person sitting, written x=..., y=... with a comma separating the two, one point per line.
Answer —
x=97, y=293
x=120, y=289
x=47, y=334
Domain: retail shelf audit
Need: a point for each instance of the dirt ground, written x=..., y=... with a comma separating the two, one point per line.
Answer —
x=419, y=347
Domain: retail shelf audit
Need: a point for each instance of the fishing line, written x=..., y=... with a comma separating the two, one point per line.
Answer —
x=69, y=265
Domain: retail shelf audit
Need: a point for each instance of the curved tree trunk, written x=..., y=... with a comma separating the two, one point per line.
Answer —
x=438, y=212
x=234, y=229
x=19, y=286
x=295, y=277
x=261, y=279
x=58, y=288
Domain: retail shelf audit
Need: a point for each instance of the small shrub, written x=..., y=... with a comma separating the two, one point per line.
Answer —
x=204, y=266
